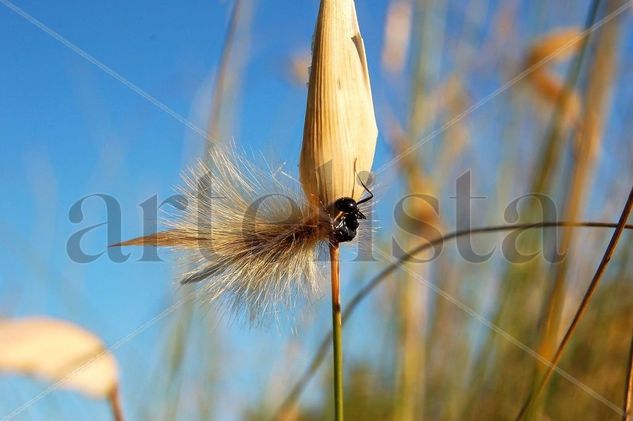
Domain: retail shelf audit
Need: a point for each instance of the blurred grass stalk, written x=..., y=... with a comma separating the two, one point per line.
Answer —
x=190, y=323
x=518, y=292
x=425, y=109
x=585, y=152
x=229, y=72
x=628, y=388
x=412, y=297
x=410, y=314
x=414, y=302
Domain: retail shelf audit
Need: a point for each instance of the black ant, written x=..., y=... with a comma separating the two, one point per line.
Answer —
x=345, y=224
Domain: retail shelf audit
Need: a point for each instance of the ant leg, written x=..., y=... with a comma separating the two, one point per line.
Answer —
x=354, y=186
x=371, y=195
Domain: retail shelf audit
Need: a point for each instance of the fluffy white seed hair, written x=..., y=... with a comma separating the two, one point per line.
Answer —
x=248, y=233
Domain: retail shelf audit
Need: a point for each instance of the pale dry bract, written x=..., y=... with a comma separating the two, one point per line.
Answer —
x=60, y=352
x=340, y=132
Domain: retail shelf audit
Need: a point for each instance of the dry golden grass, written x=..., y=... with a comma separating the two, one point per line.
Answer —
x=555, y=46
x=339, y=135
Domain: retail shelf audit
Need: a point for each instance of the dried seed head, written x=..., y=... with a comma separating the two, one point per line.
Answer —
x=244, y=231
x=558, y=44
x=339, y=136
x=555, y=47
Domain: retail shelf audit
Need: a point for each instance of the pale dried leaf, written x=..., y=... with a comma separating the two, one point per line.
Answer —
x=57, y=351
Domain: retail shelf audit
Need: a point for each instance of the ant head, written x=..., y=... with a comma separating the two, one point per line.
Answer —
x=346, y=204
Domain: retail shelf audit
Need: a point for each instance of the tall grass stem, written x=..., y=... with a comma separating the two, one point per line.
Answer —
x=115, y=404
x=628, y=390
x=337, y=336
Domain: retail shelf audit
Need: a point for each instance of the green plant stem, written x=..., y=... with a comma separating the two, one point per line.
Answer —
x=337, y=332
